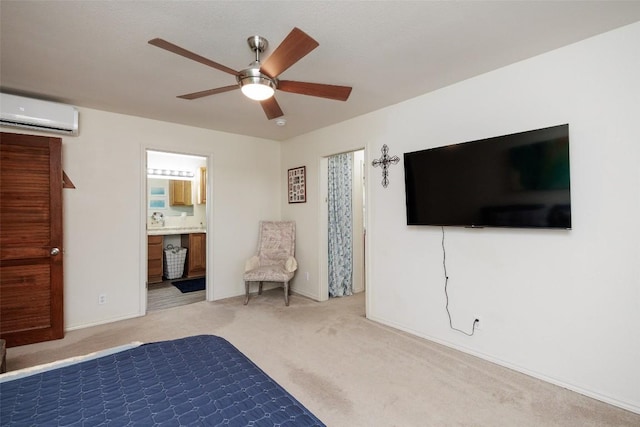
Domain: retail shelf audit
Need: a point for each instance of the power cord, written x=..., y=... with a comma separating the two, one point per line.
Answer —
x=446, y=294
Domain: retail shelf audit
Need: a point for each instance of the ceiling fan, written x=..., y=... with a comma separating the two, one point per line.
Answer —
x=260, y=80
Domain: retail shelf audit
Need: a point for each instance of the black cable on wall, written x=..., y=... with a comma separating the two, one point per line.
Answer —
x=446, y=294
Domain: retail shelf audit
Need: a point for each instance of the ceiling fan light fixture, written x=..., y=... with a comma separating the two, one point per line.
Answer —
x=257, y=88
x=255, y=85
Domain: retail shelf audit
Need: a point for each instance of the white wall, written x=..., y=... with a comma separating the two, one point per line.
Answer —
x=560, y=305
x=104, y=216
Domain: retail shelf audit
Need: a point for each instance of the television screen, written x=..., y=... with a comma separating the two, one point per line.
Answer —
x=517, y=180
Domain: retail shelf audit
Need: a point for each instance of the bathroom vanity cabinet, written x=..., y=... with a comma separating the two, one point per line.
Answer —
x=154, y=259
x=196, y=263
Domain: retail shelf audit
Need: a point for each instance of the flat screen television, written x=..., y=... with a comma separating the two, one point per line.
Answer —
x=519, y=180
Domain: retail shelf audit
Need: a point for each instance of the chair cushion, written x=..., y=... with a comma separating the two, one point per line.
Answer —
x=268, y=273
x=276, y=241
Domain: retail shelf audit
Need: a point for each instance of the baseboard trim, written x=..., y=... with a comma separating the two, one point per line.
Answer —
x=305, y=294
x=102, y=322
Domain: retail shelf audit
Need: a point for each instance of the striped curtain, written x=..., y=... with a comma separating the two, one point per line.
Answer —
x=340, y=225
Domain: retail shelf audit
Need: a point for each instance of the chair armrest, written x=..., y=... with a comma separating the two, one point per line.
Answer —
x=291, y=265
x=253, y=262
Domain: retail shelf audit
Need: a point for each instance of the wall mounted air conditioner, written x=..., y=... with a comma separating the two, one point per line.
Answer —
x=46, y=116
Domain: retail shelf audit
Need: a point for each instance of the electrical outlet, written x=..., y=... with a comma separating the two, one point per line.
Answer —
x=307, y=275
x=102, y=299
x=477, y=324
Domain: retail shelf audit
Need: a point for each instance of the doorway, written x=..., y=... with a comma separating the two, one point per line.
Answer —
x=176, y=229
x=357, y=224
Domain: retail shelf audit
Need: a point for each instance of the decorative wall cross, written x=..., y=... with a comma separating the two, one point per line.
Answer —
x=384, y=162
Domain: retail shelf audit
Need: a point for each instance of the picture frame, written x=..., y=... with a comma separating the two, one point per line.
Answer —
x=157, y=191
x=297, y=184
x=157, y=197
x=158, y=203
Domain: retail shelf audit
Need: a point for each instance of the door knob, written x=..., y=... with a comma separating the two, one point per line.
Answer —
x=55, y=251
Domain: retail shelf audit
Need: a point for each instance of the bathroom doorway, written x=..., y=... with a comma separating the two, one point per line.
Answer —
x=176, y=229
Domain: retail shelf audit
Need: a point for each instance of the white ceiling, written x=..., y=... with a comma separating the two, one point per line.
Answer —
x=95, y=53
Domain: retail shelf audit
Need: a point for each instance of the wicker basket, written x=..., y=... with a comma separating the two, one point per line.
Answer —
x=174, y=258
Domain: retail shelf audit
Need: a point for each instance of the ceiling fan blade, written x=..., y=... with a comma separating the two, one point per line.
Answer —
x=203, y=93
x=271, y=108
x=339, y=93
x=163, y=44
x=294, y=47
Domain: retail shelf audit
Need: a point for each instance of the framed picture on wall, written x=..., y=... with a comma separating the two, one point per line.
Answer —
x=157, y=203
x=157, y=191
x=297, y=188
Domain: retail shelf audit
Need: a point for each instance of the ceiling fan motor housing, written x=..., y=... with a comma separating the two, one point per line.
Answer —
x=254, y=76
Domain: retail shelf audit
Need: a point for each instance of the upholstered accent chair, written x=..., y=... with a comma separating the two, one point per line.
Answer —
x=275, y=260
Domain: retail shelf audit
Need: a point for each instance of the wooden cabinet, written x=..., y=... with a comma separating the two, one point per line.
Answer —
x=202, y=190
x=154, y=259
x=180, y=193
x=196, y=263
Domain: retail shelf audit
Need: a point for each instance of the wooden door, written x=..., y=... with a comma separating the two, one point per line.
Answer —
x=198, y=262
x=31, y=284
x=196, y=244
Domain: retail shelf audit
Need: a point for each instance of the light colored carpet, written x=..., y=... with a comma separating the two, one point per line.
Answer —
x=348, y=370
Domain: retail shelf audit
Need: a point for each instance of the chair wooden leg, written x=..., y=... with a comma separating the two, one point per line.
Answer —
x=246, y=290
x=286, y=294
x=260, y=288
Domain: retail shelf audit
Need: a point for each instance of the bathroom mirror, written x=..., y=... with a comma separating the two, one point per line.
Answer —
x=158, y=199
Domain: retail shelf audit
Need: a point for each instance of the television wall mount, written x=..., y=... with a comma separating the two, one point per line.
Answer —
x=384, y=162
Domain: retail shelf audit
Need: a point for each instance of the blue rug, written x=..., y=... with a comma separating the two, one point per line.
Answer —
x=190, y=285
